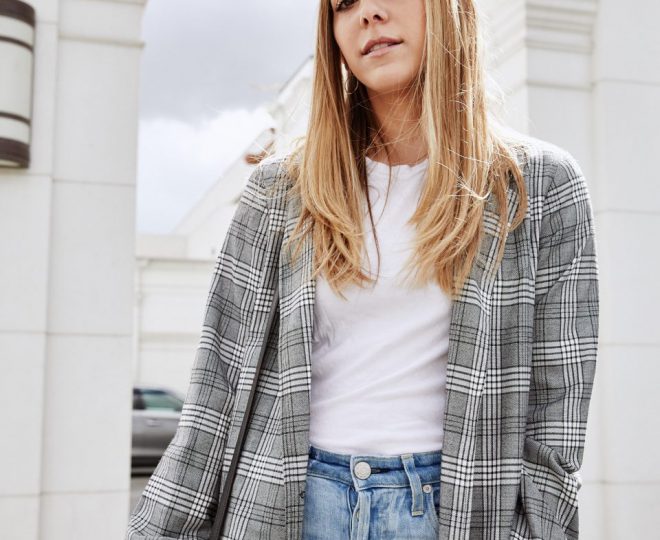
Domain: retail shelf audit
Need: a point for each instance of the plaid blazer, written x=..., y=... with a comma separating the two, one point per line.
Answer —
x=522, y=355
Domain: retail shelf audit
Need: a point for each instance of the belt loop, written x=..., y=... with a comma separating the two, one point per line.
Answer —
x=415, y=484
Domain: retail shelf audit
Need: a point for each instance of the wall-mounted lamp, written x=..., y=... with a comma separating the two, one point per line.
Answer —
x=16, y=71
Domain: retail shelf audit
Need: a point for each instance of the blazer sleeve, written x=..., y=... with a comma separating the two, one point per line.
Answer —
x=178, y=500
x=563, y=360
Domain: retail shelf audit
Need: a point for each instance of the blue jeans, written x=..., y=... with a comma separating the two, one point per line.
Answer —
x=357, y=497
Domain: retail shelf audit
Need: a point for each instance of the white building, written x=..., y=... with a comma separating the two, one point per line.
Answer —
x=80, y=321
x=67, y=258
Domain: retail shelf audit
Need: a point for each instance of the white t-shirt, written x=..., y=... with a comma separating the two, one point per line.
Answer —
x=379, y=359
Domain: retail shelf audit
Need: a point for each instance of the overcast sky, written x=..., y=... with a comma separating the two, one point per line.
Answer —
x=208, y=69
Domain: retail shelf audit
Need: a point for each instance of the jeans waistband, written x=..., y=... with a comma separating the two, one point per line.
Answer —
x=418, y=471
x=383, y=463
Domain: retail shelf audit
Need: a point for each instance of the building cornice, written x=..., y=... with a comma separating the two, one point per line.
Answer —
x=565, y=25
x=102, y=22
x=555, y=25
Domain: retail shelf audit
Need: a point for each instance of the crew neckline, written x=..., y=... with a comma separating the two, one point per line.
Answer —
x=383, y=168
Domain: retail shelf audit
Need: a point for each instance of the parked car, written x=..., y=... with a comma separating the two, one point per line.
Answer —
x=156, y=413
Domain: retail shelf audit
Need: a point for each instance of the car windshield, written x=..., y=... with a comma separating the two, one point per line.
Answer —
x=159, y=399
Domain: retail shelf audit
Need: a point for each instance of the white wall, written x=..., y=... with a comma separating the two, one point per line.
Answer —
x=66, y=279
x=626, y=93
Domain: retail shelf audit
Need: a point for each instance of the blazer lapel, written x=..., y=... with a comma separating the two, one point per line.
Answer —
x=469, y=339
x=297, y=293
x=467, y=364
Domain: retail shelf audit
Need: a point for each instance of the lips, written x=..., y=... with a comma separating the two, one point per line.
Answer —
x=372, y=42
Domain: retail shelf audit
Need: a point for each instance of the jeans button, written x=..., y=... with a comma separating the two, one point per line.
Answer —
x=362, y=470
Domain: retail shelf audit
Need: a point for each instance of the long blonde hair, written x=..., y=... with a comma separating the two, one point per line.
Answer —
x=467, y=157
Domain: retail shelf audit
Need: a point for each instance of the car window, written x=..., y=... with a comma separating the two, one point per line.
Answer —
x=158, y=399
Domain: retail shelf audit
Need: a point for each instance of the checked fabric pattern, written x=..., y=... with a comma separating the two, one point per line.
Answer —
x=522, y=355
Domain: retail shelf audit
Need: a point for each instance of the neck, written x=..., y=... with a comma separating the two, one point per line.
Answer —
x=399, y=129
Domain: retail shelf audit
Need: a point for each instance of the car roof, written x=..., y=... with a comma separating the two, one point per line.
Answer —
x=167, y=389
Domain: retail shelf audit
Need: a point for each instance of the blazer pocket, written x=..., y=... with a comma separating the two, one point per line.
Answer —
x=548, y=491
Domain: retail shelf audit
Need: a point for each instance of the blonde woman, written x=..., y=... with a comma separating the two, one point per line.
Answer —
x=430, y=365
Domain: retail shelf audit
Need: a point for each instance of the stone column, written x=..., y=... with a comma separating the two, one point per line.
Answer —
x=66, y=280
x=626, y=94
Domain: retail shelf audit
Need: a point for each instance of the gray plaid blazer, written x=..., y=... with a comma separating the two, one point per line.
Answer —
x=522, y=356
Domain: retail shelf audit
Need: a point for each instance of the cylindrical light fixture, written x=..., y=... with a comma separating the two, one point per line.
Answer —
x=16, y=73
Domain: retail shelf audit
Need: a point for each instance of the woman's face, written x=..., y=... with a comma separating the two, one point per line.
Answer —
x=358, y=21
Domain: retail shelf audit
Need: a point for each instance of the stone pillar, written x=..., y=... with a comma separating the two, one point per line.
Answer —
x=626, y=93
x=66, y=280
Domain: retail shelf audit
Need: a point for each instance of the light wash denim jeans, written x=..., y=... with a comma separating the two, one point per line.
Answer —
x=358, y=497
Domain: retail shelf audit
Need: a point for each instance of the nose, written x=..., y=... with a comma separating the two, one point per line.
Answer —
x=371, y=12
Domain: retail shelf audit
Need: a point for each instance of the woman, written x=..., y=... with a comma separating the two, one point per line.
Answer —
x=442, y=392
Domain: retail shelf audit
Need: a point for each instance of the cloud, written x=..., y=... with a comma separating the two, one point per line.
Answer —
x=207, y=70
x=179, y=161
x=207, y=55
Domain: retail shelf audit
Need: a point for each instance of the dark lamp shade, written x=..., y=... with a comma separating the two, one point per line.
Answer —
x=17, y=32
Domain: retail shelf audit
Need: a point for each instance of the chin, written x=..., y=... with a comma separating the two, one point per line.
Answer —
x=390, y=78
x=385, y=86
